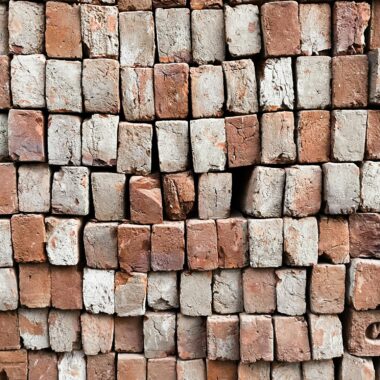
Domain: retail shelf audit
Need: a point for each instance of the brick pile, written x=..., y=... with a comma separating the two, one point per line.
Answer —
x=189, y=190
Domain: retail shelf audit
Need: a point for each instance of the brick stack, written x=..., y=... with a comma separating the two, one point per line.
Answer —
x=189, y=190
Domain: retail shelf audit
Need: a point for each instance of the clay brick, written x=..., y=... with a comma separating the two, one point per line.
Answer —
x=145, y=199
x=159, y=334
x=208, y=36
x=254, y=371
x=34, y=188
x=131, y=366
x=5, y=94
x=201, y=244
x=34, y=328
x=191, y=337
x=26, y=24
x=9, y=290
x=8, y=190
x=9, y=331
x=286, y=371
x=291, y=291
x=63, y=240
x=3, y=135
x=64, y=140
x=97, y=333
x=70, y=191
x=101, y=367
x=374, y=31
x=72, y=362
x=99, y=26
x=318, y=369
x=341, y=186
x=35, y=285
x=313, y=82
x=4, y=35
x=281, y=28
x=162, y=291
x=350, y=81
x=315, y=23
x=353, y=367
x=291, y=339
x=241, y=86
x=208, y=135
x=207, y=91
x=204, y=4
x=277, y=138
x=168, y=3
x=26, y=135
x=14, y=364
x=313, y=136
x=168, y=246
x=134, y=154
x=130, y=294
x=129, y=334
x=164, y=367
x=134, y=5
x=326, y=336
x=41, y=363
x=370, y=201
x=259, y=289
x=137, y=94
x=256, y=338
x=173, y=145
x=191, y=369
x=374, y=77
x=66, y=288
x=327, y=289
x=195, y=293
x=28, y=238
x=137, y=39
x=219, y=369
x=134, y=248
x=100, y=81
x=350, y=20
x=6, y=252
x=63, y=31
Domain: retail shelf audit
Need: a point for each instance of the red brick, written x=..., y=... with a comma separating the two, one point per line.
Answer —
x=222, y=370
x=14, y=364
x=203, y=4
x=164, y=368
x=5, y=95
x=42, y=365
x=129, y=334
x=9, y=331
x=101, y=367
x=373, y=134
x=131, y=367
x=374, y=33
x=134, y=5
x=8, y=189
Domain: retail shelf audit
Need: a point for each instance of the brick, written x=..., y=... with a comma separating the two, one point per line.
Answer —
x=137, y=94
x=277, y=138
x=315, y=23
x=70, y=191
x=137, y=39
x=191, y=337
x=130, y=294
x=327, y=289
x=63, y=240
x=168, y=246
x=101, y=367
x=4, y=36
x=28, y=238
x=313, y=136
x=129, y=334
x=281, y=28
x=207, y=91
x=134, y=5
x=208, y=36
x=350, y=22
x=34, y=188
x=219, y=369
x=171, y=90
x=370, y=202
x=202, y=4
x=41, y=363
x=318, y=369
x=26, y=135
x=313, y=82
x=14, y=364
x=3, y=135
x=201, y=244
x=227, y=291
x=134, y=244
x=255, y=371
x=100, y=81
x=6, y=252
x=97, y=333
x=292, y=340
x=263, y=192
x=191, y=369
x=301, y=241
x=5, y=79
x=178, y=194
x=168, y=3
x=341, y=186
x=195, y=293
x=34, y=328
x=265, y=242
x=131, y=366
x=9, y=333
x=26, y=24
x=256, y=338
x=173, y=35
x=208, y=135
x=98, y=291
x=326, y=336
x=72, y=363
x=66, y=288
x=374, y=77
x=286, y=371
x=63, y=31
x=374, y=31
x=353, y=367
x=9, y=290
x=145, y=199
x=8, y=190
x=173, y=145
x=64, y=140
x=162, y=291
x=159, y=334
x=291, y=291
x=362, y=291
x=99, y=27
x=165, y=367
x=259, y=290
x=350, y=81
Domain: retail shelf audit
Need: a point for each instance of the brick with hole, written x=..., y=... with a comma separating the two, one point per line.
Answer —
x=14, y=363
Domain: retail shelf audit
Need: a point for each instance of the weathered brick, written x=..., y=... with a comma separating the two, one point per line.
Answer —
x=219, y=369
x=9, y=331
x=8, y=190
x=254, y=371
x=353, y=367
x=34, y=328
x=374, y=31
x=370, y=176
x=201, y=4
x=3, y=135
x=129, y=334
x=162, y=367
x=5, y=78
x=72, y=363
x=191, y=369
x=191, y=337
x=9, y=290
x=101, y=366
x=162, y=290
x=134, y=5
x=4, y=35
x=14, y=363
x=374, y=77
x=227, y=291
x=6, y=252
x=168, y=3
x=281, y=370
x=318, y=369
x=131, y=366
x=42, y=363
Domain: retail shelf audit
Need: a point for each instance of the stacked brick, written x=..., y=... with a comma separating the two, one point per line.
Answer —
x=189, y=190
